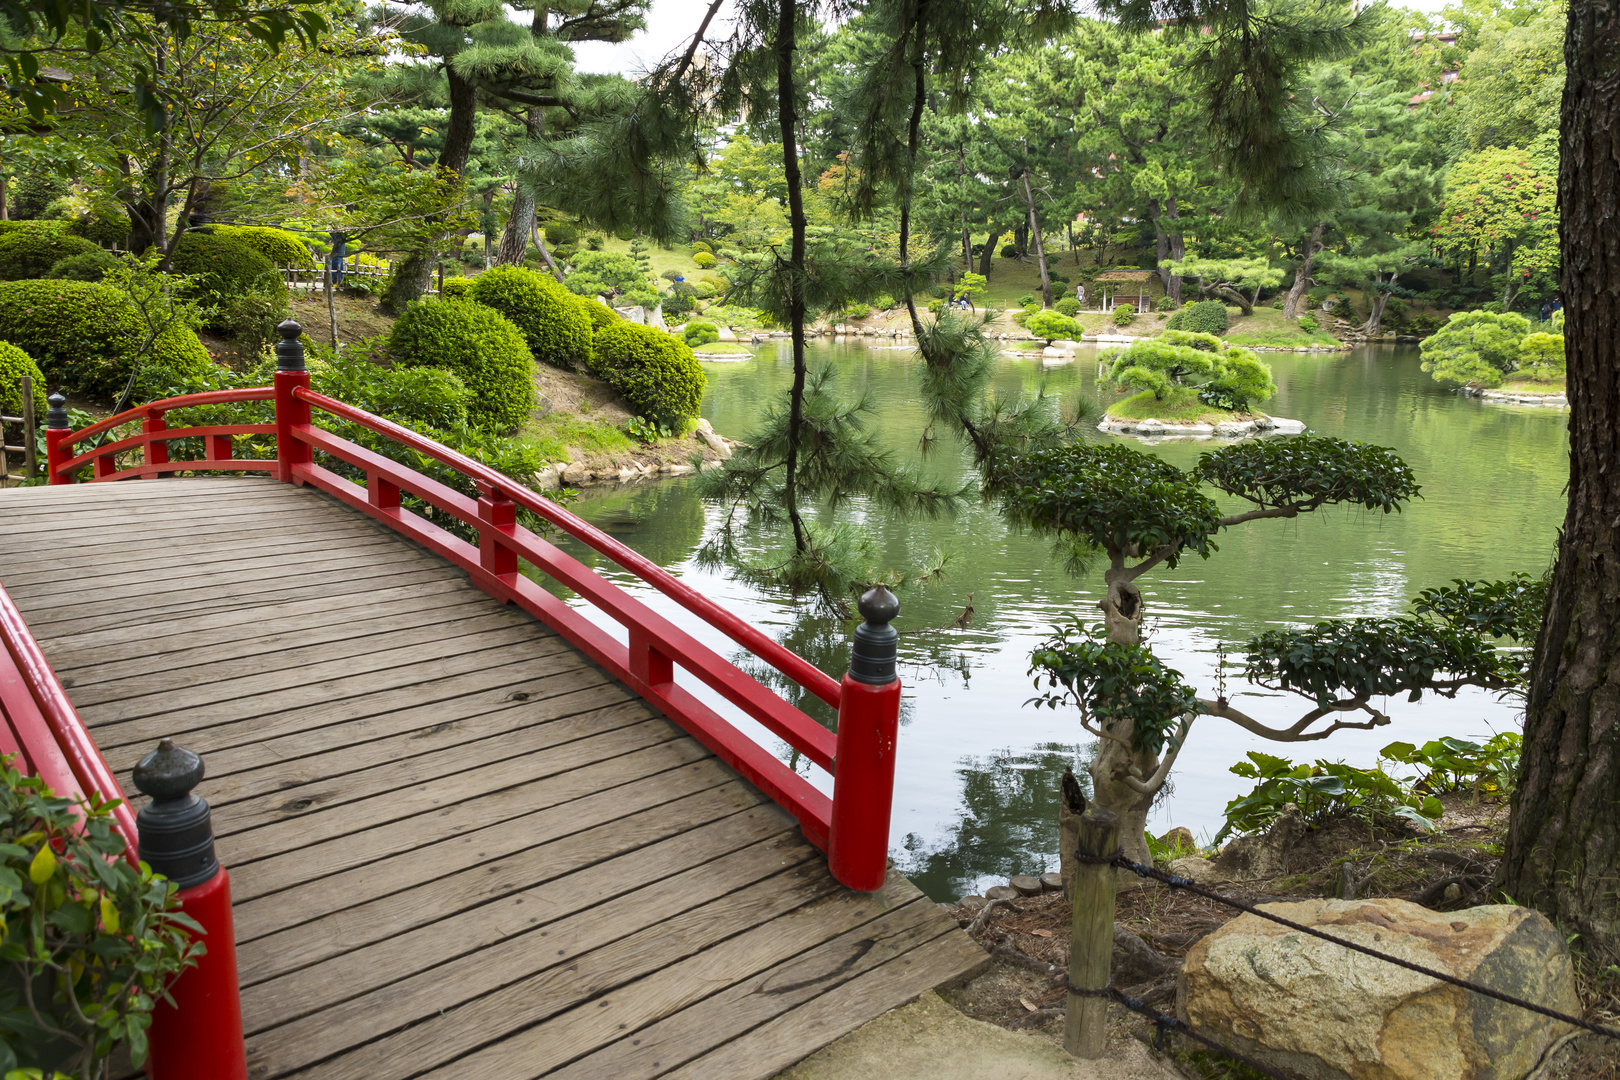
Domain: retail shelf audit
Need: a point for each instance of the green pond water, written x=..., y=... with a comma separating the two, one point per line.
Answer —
x=975, y=791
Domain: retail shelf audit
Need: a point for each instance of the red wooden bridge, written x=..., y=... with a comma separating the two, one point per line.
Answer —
x=469, y=832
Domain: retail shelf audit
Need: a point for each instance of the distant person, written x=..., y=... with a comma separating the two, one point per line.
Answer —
x=1546, y=312
x=1557, y=304
x=1080, y=294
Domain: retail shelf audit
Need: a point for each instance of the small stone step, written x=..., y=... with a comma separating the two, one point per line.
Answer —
x=1026, y=884
x=1002, y=892
x=1052, y=882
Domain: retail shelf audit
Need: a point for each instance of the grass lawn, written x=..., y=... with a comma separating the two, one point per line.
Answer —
x=723, y=348
x=1181, y=405
x=1268, y=327
x=561, y=436
x=1529, y=387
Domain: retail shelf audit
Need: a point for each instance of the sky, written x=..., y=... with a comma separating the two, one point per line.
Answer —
x=671, y=24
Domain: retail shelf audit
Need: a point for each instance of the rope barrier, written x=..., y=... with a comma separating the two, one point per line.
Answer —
x=1187, y=884
x=1165, y=1023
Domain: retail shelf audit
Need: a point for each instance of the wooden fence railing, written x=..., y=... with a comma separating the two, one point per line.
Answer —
x=851, y=826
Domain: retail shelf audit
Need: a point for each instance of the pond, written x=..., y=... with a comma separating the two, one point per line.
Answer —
x=975, y=791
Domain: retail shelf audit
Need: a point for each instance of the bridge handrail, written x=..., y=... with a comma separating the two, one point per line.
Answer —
x=163, y=405
x=749, y=637
x=49, y=730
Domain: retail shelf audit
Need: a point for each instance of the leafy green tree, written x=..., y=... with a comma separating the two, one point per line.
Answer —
x=1229, y=377
x=1048, y=326
x=1501, y=203
x=1137, y=512
x=1229, y=278
x=1509, y=87
x=1475, y=348
x=1541, y=357
x=597, y=273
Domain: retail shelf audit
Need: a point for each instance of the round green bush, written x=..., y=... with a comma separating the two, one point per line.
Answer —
x=1308, y=323
x=561, y=234
x=1124, y=314
x=280, y=246
x=478, y=344
x=1069, y=306
x=597, y=312
x=456, y=288
x=1008, y=251
x=225, y=267
x=84, y=335
x=1164, y=303
x=655, y=372
x=700, y=332
x=14, y=364
x=557, y=329
x=1204, y=317
x=90, y=266
x=704, y=260
x=1026, y=300
x=30, y=253
x=701, y=245
x=624, y=233
x=112, y=229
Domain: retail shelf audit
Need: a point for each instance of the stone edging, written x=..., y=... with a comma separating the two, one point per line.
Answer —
x=1546, y=401
x=1227, y=429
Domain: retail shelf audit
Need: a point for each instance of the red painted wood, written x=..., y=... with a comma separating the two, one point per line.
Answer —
x=497, y=518
x=863, y=786
x=57, y=451
x=135, y=472
x=212, y=397
x=290, y=413
x=157, y=450
x=219, y=447
x=151, y=439
x=200, y=1035
x=66, y=732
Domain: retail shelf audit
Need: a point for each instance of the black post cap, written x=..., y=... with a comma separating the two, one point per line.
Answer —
x=289, y=350
x=176, y=828
x=56, y=417
x=876, y=642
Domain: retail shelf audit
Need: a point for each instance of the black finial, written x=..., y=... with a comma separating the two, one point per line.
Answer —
x=56, y=418
x=176, y=828
x=876, y=642
x=289, y=350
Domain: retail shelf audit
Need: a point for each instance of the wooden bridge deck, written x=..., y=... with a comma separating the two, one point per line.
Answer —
x=457, y=847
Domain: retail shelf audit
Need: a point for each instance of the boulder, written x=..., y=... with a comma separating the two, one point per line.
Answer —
x=548, y=477
x=705, y=434
x=1256, y=858
x=726, y=333
x=575, y=473
x=1322, y=1012
x=1179, y=837
x=1135, y=961
x=1198, y=869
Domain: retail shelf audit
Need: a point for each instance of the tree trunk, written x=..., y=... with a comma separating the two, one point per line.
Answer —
x=1040, y=248
x=5, y=203
x=414, y=273
x=1237, y=298
x=1563, y=845
x=1380, y=300
x=989, y=253
x=1302, y=277
x=1122, y=609
x=520, y=222
x=786, y=46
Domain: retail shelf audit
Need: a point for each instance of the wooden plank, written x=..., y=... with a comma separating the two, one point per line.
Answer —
x=782, y=1042
x=453, y=773
x=82, y=515
x=311, y=756
x=481, y=685
x=289, y=890
x=81, y=497
x=618, y=757
x=247, y=671
x=158, y=536
x=268, y=691
x=694, y=903
x=153, y=520
x=384, y=942
x=647, y=1052
x=633, y=983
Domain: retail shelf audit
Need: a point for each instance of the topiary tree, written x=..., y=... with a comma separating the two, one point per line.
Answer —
x=1541, y=357
x=1049, y=326
x=653, y=371
x=1138, y=512
x=551, y=319
x=1475, y=348
x=700, y=332
x=281, y=246
x=609, y=273
x=30, y=253
x=14, y=364
x=87, y=337
x=1124, y=314
x=1204, y=317
x=1067, y=306
x=1226, y=377
x=486, y=350
x=1167, y=303
x=243, y=288
x=704, y=260
x=90, y=266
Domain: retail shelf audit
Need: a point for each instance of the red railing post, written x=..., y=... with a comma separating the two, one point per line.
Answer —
x=863, y=770
x=200, y=1035
x=57, y=429
x=157, y=451
x=496, y=512
x=290, y=412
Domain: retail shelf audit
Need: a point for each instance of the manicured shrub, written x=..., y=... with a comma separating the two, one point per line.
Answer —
x=90, y=266
x=625, y=233
x=456, y=288
x=699, y=332
x=561, y=234
x=84, y=335
x=280, y=246
x=552, y=321
x=611, y=273
x=1008, y=251
x=479, y=345
x=101, y=228
x=1164, y=303
x=14, y=364
x=1069, y=306
x=1051, y=325
x=1026, y=300
x=597, y=312
x=655, y=372
x=704, y=291
x=883, y=302
x=31, y=193
x=1204, y=317
x=704, y=260
x=1124, y=314
x=678, y=304
x=701, y=245
x=244, y=288
x=1541, y=357
x=30, y=253
x=594, y=242
x=1308, y=323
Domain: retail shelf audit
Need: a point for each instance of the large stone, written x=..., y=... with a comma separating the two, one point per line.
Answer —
x=726, y=333
x=1256, y=858
x=705, y=434
x=1198, y=869
x=1323, y=1012
x=1179, y=837
x=576, y=473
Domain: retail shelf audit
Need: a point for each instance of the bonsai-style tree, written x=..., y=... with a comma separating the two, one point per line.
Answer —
x=1139, y=512
x=1228, y=279
x=1541, y=357
x=1475, y=347
x=1049, y=326
x=1226, y=377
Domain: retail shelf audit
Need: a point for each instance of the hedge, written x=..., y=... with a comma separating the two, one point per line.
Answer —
x=30, y=253
x=84, y=335
x=655, y=372
x=1204, y=317
x=280, y=246
x=90, y=266
x=478, y=344
x=599, y=313
x=456, y=288
x=557, y=329
x=700, y=332
x=245, y=288
x=14, y=364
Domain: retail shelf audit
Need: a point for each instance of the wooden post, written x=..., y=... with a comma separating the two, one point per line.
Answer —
x=27, y=384
x=1091, y=935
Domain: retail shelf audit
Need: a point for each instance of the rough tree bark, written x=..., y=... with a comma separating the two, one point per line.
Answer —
x=414, y=273
x=1168, y=245
x=989, y=253
x=1302, y=278
x=1040, y=248
x=786, y=46
x=1563, y=846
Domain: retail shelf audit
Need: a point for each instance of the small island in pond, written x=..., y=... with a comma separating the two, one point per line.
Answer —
x=1189, y=384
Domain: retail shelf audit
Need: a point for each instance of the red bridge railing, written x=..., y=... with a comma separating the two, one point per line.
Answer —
x=851, y=826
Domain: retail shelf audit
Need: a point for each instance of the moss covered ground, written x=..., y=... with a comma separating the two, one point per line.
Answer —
x=1180, y=405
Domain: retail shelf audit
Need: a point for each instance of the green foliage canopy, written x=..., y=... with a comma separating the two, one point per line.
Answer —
x=483, y=348
x=1475, y=348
